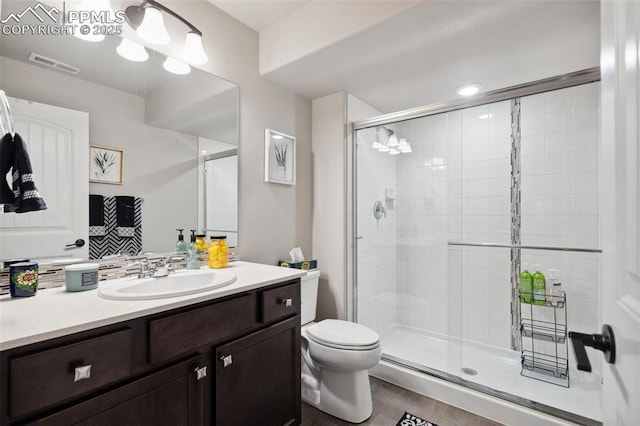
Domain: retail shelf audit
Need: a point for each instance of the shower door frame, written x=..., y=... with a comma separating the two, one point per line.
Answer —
x=577, y=78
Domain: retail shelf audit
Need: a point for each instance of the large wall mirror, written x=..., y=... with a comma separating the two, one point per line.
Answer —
x=173, y=131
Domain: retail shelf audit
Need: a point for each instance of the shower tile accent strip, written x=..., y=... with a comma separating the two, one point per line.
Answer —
x=515, y=223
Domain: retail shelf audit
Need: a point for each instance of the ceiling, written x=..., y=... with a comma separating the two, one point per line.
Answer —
x=419, y=56
x=259, y=14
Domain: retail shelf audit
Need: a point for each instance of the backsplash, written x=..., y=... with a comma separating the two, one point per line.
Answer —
x=50, y=276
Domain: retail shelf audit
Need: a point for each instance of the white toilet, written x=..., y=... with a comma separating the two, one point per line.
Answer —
x=336, y=356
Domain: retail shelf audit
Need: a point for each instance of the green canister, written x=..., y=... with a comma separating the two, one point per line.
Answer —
x=81, y=277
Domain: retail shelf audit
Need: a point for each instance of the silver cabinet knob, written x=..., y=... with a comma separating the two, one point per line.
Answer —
x=82, y=372
x=201, y=372
x=226, y=360
x=286, y=302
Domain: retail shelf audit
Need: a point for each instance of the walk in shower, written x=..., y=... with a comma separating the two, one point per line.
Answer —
x=450, y=202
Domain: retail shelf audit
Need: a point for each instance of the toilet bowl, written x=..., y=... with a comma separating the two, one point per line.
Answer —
x=336, y=356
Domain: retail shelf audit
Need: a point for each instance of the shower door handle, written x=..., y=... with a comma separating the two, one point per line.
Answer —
x=604, y=342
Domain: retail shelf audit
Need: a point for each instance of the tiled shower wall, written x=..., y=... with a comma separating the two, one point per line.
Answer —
x=455, y=185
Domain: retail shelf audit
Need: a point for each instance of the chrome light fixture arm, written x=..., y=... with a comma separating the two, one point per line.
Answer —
x=135, y=15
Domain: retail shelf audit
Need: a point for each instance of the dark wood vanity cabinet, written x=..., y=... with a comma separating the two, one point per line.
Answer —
x=229, y=361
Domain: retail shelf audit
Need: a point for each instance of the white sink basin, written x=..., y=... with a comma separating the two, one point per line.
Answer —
x=179, y=283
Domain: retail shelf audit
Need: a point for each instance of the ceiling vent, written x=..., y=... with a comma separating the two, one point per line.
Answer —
x=52, y=63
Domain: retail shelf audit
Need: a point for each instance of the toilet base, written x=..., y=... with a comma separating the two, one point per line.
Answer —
x=345, y=395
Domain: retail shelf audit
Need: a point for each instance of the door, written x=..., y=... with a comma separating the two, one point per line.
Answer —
x=58, y=144
x=258, y=377
x=621, y=207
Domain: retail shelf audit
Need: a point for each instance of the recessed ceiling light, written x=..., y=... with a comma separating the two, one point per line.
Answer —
x=469, y=89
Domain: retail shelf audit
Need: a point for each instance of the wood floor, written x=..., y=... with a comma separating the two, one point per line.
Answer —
x=389, y=404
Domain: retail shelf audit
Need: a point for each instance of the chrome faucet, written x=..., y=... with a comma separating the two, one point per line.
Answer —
x=145, y=271
x=165, y=267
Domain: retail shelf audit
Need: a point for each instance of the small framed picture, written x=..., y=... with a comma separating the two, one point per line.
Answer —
x=105, y=165
x=279, y=158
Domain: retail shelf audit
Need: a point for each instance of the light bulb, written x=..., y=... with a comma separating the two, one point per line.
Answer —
x=469, y=89
x=152, y=28
x=132, y=51
x=91, y=6
x=175, y=66
x=192, y=51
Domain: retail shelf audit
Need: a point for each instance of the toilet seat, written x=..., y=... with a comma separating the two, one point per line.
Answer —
x=344, y=335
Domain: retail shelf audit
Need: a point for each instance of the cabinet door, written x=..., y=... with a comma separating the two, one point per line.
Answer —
x=258, y=377
x=173, y=396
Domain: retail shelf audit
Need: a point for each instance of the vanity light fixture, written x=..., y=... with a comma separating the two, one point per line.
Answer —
x=469, y=89
x=152, y=27
x=175, y=66
x=393, y=140
x=395, y=144
x=148, y=21
x=376, y=141
x=404, y=146
x=132, y=51
x=91, y=6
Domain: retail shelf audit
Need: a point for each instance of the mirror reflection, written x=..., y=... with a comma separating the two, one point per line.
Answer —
x=164, y=124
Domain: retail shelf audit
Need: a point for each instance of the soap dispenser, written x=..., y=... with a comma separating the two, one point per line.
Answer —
x=193, y=254
x=181, y=245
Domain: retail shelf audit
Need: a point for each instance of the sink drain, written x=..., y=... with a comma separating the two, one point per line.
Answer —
x=469, y=371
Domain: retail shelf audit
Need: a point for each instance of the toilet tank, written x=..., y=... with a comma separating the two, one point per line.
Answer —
x=309, y=295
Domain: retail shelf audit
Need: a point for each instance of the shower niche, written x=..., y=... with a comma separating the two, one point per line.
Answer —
x=543, y=332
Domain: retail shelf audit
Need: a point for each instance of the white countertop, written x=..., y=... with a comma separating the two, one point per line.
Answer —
x=54, y=312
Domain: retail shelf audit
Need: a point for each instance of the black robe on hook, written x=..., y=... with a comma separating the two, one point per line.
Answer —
x=24, y=197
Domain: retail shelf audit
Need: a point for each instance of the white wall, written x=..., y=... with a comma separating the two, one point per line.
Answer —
x=329, y=203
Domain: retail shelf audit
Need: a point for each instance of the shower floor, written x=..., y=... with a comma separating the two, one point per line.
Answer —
x=496, y=368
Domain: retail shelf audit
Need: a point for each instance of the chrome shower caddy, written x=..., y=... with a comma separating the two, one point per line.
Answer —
x=543, y=333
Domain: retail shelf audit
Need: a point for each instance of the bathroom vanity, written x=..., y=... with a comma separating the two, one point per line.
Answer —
x=228, y=356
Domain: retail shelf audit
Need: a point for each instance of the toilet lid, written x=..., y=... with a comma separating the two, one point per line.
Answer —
x=343, y=334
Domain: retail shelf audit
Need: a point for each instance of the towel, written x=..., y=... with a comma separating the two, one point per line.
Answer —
x=96, y=216
x=26, y=197
x=125, y=213
x=6, y=157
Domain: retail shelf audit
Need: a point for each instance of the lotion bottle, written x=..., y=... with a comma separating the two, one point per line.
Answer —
x=193, y=254
x=181, y=245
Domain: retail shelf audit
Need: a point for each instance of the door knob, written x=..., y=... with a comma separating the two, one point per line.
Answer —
x=78, y=243
x=604, y=342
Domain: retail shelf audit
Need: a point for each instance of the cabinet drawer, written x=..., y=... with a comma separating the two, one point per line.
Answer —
x=280, y=302
x=51, y=376
x=180, y=333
